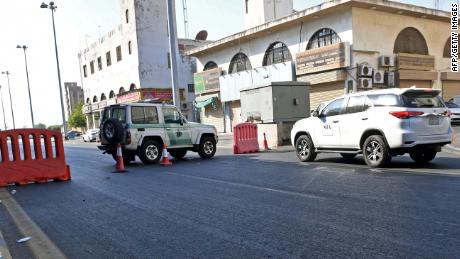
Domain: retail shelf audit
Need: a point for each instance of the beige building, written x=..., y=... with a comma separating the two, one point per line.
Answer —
x=339, y=46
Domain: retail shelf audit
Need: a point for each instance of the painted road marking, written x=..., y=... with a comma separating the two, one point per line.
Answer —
x=40, y=245
x=4, y=252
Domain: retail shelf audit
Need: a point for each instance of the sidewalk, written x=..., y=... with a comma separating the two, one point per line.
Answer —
x=226, y=142
x=455, y=146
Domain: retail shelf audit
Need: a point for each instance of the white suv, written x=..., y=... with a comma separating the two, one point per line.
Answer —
x=379, y=124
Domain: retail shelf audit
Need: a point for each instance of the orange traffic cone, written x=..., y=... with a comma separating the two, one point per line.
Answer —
x=265, y=143
x=120, y=167
x=165, y=158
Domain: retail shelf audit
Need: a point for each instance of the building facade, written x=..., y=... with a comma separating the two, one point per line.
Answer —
x=73, y=96
x=339, y=46
x=132, y=62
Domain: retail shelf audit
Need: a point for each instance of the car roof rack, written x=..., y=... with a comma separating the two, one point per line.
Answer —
x=156, y=100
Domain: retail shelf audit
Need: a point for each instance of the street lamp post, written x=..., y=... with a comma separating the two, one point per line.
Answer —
x=3, y=107
x=7, y=73
x=24, y=47
x=53, y=7
x=173, y=52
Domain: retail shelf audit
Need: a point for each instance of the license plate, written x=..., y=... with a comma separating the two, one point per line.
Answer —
x=433, y=121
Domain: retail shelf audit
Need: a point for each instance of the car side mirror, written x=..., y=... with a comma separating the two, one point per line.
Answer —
x=315, y=113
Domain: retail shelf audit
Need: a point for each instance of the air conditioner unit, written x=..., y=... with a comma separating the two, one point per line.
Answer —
x=365, y=70
x=386, y=61
x=365, y=83
x=379, y=77
x=390, y=79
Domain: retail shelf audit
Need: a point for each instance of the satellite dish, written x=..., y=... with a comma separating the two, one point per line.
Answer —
x=202, y=35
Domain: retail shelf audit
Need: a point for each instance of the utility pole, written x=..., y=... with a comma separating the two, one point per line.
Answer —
x=7, y=73
x=184, y=6
x=3, y=107
x=24, y=47
x=173, y=52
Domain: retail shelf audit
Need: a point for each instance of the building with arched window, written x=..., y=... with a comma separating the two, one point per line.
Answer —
x=327, y=46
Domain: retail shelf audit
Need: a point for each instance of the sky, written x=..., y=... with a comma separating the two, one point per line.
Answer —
x=79, y=22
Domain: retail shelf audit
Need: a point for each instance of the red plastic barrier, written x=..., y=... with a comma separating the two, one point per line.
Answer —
x=28, y=155
x=245, y=138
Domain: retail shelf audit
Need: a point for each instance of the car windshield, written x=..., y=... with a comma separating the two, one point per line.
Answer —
x=422, y=99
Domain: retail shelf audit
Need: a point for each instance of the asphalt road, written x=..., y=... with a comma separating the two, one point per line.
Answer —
x=257, y=205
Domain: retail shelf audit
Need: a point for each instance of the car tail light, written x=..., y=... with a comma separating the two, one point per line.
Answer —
x=128, y=138
x=447, y=114
x=405, y=114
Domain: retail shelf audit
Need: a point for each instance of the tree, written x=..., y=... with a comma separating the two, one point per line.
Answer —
x=40, y=126
x=55, y=127
x=77, y=118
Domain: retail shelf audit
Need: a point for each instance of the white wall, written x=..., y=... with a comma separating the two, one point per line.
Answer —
x=263, y=11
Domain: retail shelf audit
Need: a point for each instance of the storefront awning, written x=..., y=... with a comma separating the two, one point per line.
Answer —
x=204, y=101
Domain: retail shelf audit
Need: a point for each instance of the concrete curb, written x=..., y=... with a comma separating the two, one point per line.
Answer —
x=452, y=149
x=4, y=252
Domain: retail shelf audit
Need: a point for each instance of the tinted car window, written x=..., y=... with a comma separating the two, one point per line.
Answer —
x=355, y=104
x=334, y=108
x=452, y=105
x=144, y=115
x=171, y=115
x=385, y=100
x=151, y=115
x=421, y=99
x=137, y=115
x=119, y=113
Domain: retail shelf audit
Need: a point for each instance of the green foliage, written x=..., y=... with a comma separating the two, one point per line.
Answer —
x=55, y=127
x=40, y=126
x=77, y=118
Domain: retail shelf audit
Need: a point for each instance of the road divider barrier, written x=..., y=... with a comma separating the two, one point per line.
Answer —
x=245, y=138
x=32, y=155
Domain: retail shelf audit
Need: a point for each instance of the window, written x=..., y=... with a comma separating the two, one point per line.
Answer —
x=103, y=97
x=168, y=56
x=119, y=114
x=121, y=90
x=277, y=52
x=144, y=115
x=323, y=37
x=410, y=40
x=240, y=62
x=191, y=88
x=108, y=58
x=112, y=94
x=88, y=101
x=95, y=100
x=355, y=104
x=171, y=115
x=210, y=65
x=333, y=108
x=132, y=87
x=127, y=15
x=422, y=100
x=118, y=53
x=447, y=48
x=91, y=67
x=384, y=100
x=129, y=48
x=105, y=115
x=99, y=63
x=246, y=5
x=85, y=71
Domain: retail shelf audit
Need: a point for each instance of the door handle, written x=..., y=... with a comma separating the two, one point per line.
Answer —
x=364, y=119
x=140, y=129
x=168, y=128
x=335, y=121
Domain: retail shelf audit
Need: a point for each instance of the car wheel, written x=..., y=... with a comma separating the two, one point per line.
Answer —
x=178, y=153
x=207, y=147
x=423, y=156
x=348, y=155
x=112, y=131
x=376, y=152
x=127, y=158
x=150, y=152
x=305, y=149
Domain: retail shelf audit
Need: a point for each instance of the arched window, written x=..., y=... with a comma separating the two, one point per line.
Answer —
x=447, y=48
x=88, y=101
x=130, y=51
x=95, y=99
x=411, y=41
x=127, y=15
x=111, y=94
x=277, y=52
x=103, y=97
x=323, y=37
x=240, y=62
x=132, y=87
x=210, y=65
x=122, y=90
